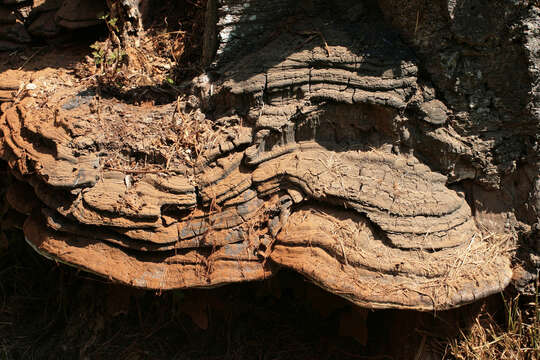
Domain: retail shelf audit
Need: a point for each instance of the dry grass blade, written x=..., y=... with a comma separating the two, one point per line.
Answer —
x=517, y=339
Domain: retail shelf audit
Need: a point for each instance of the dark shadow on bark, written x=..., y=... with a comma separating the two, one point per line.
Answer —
x=255, y=46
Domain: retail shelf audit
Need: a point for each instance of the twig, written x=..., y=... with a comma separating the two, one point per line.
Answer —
x=313, y=34
x=142, y=171
x=167, y=33
x=421, y=348
x=417, y=19
x=31, y=57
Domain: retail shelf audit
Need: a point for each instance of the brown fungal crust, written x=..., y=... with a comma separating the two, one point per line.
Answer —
x=306, y=163
x=343, y=253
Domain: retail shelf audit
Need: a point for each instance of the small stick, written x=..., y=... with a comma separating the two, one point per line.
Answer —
x=313, y=34
x=142, y=171
x=417, y=19
x=30, y=58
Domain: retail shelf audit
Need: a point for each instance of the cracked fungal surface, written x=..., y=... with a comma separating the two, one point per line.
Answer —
x=299, y=148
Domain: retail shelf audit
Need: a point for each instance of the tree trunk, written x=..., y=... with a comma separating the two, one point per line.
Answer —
x=387, y=151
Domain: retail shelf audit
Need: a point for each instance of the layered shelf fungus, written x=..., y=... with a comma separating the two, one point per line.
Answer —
x=303, y=145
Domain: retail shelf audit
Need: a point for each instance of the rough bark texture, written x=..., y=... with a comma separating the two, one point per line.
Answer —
x=388, y=151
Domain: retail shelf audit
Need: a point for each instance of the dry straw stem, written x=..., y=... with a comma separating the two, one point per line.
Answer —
x=197, y=136
x=173, y=142
x=517, y=339
x=130, y=61
x=460, y=263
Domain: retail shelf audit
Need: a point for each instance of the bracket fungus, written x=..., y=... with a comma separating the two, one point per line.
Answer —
x=304, y=151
